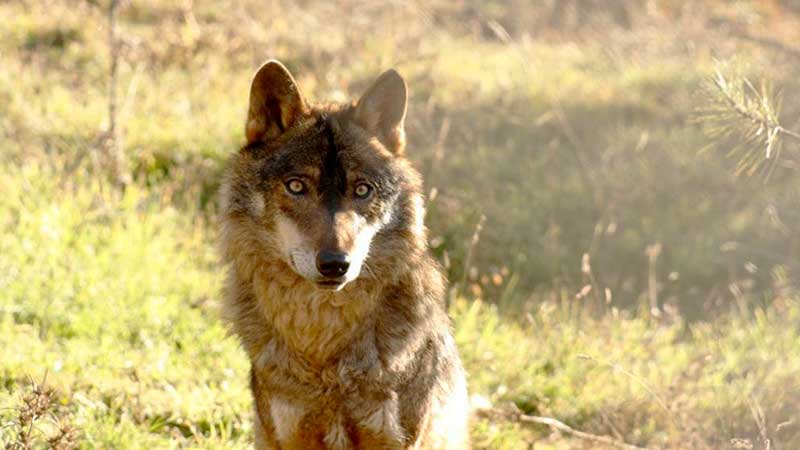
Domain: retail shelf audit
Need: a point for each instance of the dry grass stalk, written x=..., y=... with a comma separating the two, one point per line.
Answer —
x=476, y=237
x=590, y=283
x=114, y=154
x=513, y=414
x=653, y=252
x=637, y=379
x=39, y=405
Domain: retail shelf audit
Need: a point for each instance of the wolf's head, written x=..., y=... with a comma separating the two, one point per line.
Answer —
x=326, y=189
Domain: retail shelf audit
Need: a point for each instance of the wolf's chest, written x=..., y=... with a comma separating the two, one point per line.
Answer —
x=332, y=424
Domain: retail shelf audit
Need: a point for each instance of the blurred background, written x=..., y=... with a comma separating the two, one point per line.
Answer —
x=613, y=189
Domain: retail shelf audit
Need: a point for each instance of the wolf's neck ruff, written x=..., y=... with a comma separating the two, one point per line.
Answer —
x=312, y=322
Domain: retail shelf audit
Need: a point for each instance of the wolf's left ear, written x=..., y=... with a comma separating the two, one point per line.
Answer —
x=275, y=103
x=382, y=110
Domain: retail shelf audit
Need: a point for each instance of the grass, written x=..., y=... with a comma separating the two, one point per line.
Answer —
x=568, y=143
x=125, y=282
x=113, y=298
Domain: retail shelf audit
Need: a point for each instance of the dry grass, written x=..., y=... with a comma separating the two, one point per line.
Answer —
x=41, y=418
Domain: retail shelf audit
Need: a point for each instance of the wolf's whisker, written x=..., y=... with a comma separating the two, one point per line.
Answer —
x=369, y=269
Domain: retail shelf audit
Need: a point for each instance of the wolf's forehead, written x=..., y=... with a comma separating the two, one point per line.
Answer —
x=316, y=161
x=316, y=155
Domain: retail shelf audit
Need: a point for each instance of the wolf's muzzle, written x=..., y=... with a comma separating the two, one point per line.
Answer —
x=332, y=264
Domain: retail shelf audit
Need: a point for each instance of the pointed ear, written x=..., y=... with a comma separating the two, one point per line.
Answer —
x=382, y=110
x=275, y=103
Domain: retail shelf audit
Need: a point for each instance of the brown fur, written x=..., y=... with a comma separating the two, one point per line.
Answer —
x=372, y=365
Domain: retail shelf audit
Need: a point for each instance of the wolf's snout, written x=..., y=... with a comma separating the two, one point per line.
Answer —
x=332, y=264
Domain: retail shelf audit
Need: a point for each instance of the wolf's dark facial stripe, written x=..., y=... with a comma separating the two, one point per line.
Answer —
x=333, y=178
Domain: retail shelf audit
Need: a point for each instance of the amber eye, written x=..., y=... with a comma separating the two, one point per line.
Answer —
x=295, y=186
x=363, y=190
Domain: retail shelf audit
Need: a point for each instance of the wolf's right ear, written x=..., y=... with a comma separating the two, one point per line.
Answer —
x=275, y=103
x=382, y=110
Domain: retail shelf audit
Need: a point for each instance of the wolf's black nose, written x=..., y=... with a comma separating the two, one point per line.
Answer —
x=332, y=264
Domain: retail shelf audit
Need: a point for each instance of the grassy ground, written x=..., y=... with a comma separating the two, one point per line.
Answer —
x=112, y=295
x=112, y=298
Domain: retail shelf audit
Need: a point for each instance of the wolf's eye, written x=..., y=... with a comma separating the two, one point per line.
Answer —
x=363, y=190
x=295, y=186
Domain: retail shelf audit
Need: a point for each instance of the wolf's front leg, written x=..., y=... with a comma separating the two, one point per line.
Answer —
x=262, y=440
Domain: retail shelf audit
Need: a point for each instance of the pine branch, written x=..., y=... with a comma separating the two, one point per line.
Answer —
x=746, y=121
x=764, y=117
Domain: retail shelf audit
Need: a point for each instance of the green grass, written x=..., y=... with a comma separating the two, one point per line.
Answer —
x=124, y=326
x=112, y=295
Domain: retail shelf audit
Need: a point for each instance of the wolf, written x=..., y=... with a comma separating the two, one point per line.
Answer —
x=330, y=287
